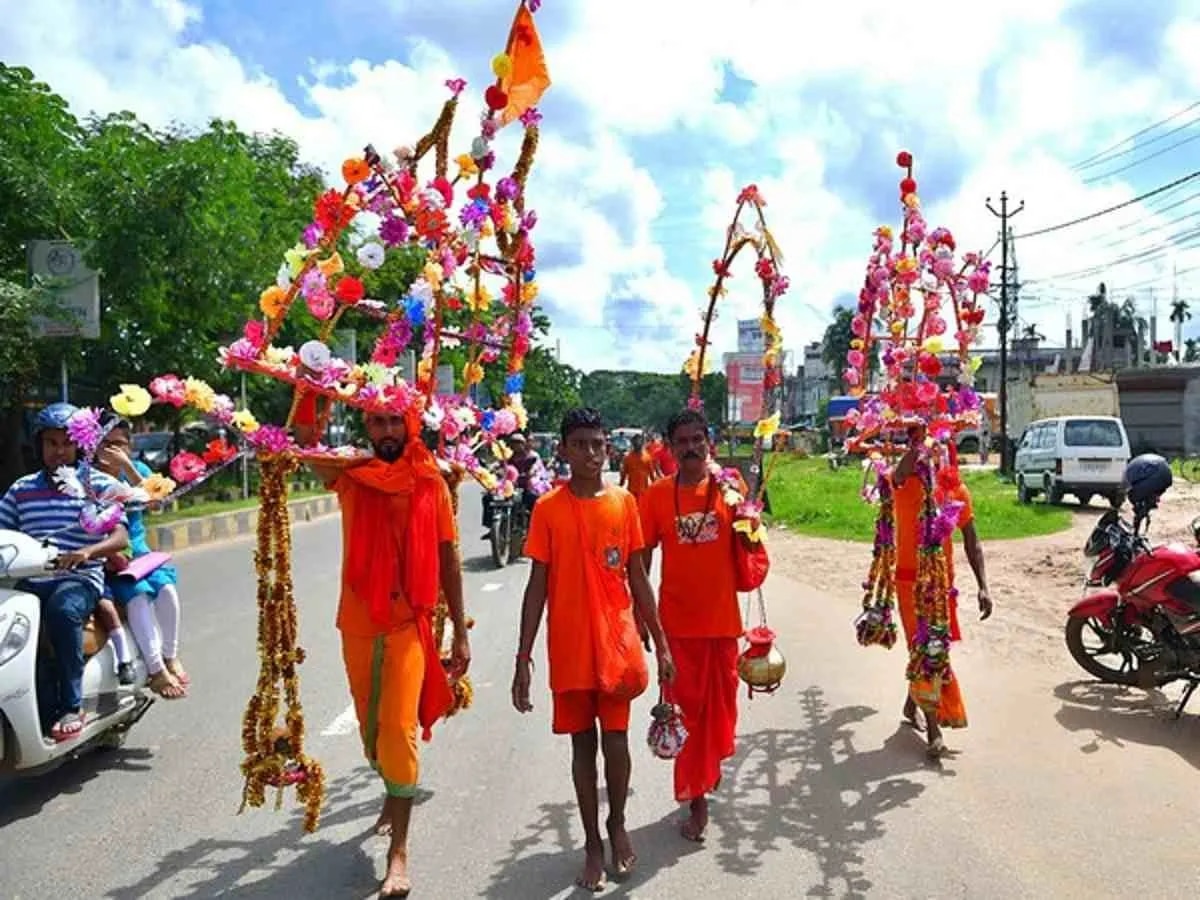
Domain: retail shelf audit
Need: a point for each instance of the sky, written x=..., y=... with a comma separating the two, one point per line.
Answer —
x=661, y=111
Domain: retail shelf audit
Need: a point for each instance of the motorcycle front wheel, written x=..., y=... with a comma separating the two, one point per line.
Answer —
x=1092, y=643
x=501, y=537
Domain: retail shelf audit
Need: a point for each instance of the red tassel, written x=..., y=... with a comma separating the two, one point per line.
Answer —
x=306, y=410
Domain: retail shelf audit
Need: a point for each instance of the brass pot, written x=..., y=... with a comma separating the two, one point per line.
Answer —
x=762, y=673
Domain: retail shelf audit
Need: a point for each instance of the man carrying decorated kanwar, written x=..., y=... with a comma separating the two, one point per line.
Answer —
x=909, y=495
x=398, y=548
x=687, y=515
x=638, y=468
x=584, y=540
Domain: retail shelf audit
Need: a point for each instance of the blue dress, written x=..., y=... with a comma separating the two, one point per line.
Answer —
x=123, y=590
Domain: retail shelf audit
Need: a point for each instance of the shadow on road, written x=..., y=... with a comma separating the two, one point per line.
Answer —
x=807, y=788
x=22, y=797
x=811, y=788
x=282, y=864
x=548, y=873
x=1116, y=715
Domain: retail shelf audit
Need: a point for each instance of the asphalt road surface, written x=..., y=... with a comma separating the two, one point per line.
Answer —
x=1062, y=789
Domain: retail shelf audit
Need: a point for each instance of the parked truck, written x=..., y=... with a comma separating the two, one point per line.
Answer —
x=1046, y=396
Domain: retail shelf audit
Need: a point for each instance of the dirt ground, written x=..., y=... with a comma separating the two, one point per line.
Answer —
x=1033, y=581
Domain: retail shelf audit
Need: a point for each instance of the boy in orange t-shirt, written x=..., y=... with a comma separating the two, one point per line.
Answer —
x=584, y=541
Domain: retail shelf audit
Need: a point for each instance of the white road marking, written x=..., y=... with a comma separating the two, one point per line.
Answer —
x=345, y=723
x=491, y=587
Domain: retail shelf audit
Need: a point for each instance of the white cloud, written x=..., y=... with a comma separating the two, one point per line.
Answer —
x=847, y=85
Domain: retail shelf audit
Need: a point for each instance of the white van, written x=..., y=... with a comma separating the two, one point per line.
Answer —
x=1080, y=455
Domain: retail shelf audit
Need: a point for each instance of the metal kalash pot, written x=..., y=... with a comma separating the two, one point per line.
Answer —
x=761, y=665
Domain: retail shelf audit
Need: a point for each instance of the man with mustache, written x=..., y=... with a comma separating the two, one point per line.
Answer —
x=399, y=546
x=687, y=515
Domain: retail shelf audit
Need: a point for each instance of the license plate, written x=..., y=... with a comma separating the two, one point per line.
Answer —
x=1094, y=466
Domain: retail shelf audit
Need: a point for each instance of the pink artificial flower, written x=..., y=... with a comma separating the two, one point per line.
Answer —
x=456, y=85
x=270, y=439
x=169, y=389
x=187, y=467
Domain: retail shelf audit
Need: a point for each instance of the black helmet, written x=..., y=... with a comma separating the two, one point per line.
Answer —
x=1147, y=478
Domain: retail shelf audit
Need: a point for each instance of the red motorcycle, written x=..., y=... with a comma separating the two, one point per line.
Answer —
x=1147, y=613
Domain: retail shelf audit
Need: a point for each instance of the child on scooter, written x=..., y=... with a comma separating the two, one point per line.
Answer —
x=151, y=604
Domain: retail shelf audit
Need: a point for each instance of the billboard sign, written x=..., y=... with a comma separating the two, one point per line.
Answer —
x=750, y=336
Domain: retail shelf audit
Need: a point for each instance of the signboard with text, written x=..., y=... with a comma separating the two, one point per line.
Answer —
x=744, y=380
x=60, y=270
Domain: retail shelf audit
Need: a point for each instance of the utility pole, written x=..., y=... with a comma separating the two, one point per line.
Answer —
x=1005, y=237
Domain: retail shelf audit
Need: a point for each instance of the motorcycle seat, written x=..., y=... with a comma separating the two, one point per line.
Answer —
x=94, y=636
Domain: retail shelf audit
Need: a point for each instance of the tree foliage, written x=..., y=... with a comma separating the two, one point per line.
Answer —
x=648, y=399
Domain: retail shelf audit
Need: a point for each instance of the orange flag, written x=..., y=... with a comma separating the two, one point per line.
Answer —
x=528, y=76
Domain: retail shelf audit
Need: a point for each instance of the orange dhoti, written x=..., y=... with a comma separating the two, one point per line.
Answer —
x=385, y=674
x=951, y=711
x=705, y=689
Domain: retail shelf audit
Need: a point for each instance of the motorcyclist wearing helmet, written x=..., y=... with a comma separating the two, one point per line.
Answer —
x=37, y=507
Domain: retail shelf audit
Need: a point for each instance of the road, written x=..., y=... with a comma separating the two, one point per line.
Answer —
x=1062, y=789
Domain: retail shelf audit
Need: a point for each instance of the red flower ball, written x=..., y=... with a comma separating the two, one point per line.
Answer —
x=930, y=365
x=908, y=186
x=495, y=98
x=904, y=159
x=349, y=290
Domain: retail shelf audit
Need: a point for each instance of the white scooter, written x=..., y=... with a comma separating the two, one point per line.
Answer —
x=111, y=708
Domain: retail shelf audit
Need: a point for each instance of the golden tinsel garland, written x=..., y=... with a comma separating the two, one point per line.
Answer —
x=438, y=140
x=275, y=753
x=525, y=163
x=464, y=693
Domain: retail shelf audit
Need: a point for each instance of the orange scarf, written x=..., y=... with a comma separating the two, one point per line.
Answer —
x=375, y=564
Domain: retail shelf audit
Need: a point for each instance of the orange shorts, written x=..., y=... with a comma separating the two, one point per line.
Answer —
x=576, y=711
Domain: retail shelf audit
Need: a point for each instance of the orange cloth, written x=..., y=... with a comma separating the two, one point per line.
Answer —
x=576, y=711
x=612, y=524
x=530, y=76
x=909, y=498
x=385, y=674
x=705, y=689
x=665, y=459
x=697, y=596
x=395, y=516
x=638, y=469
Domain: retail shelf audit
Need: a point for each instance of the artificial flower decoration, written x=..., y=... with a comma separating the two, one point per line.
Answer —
x=132, y=401
x=157, y=487
x=919, y=313
x=85, y=431
x=187, y=467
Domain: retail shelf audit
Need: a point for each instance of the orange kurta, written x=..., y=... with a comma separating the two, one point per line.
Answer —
x=909, y=498
x=638, y=468
x=613, y=530
x=385, y=661
x=700, y=615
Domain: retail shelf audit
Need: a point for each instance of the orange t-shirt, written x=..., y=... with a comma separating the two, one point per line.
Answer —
x=353, y=617
x=639, y=471
x=698, y=596
x=909, y=498
x=557, y=540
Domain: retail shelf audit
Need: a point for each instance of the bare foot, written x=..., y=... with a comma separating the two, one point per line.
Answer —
x=693, y=827
x=592, y=876
x=623, y=857
x=175, y=667
x=910, y=715
x=383, y=825
x=164, y=684
x=396, y=883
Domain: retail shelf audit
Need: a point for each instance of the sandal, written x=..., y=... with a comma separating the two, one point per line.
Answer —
x=936, y=749
x=68, y=727
x=176, y=669
x=164, y=684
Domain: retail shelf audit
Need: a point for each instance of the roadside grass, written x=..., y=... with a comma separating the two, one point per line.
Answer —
x=214, y=507
x=810, y=498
